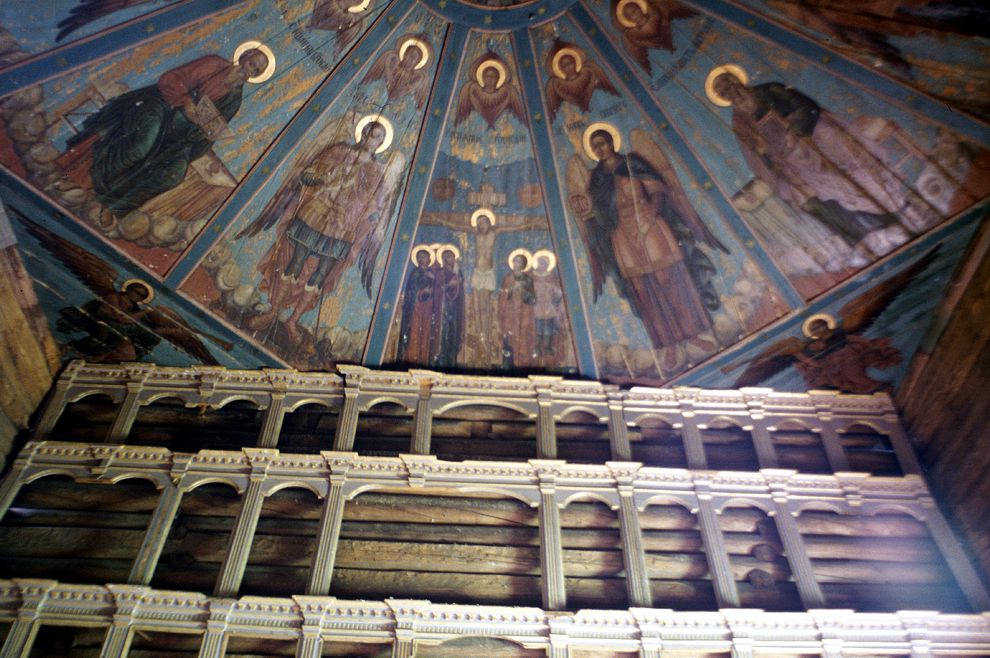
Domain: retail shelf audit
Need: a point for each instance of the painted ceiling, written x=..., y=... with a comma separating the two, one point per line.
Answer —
x=758, y=192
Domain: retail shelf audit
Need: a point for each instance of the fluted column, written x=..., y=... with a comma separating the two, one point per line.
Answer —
x=790, y=536
x=726, y=592
x=56, y=402
x=271, y=426
x=126, y=412
x=618, y=431
x=633, y=556
x=546, y=429
x=766, y=456
x=551, y=549
x=694, y=446
x=215, y=638
x=155, y=535
x=11, y=484
x=423, y=421
x=559, y=646
x=127, y=599
x=328, y=537
x=310, y=644
x=966, y=576
x=831, y=442
x=899, y=441
x=343, y=440
x=22, y=632
x=239, y=547
x=403, y=646
x=651, y=651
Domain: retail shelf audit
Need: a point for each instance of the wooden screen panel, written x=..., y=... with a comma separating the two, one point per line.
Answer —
x=655, y=442
x=75, y=532
x=799, y=448
x=483, y=431
x=675, y=558
x=594, y=571
x=878, y=563
x=440, y=545
x=67, y=641
x=869, y=451
x=761, y=571
x=169, y=423
x=583, y=438
x=489, y=647
x=334, y=649
x=308, y=429
x=729, y=447
x=385, y=430
x=197, y=541
x=87, y=420
x=284, y=544
x=156, y=644
x=258, y=647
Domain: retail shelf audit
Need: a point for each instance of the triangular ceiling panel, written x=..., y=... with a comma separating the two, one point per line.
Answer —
x=809, y=203
x=299, y=269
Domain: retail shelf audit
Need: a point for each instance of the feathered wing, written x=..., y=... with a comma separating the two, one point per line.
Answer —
x=372, y=243
x=601, y=80
x=860, y=313
x=554, y=99
x=650, y=151
x=169, y=325
x=464, y=105
x=671, y=9
x=282, y=206
x=768, y=363
x=515, y=104
x=88, y=11
x=579, y=201
x=98, y=275
x=382, y=69
x=422, y=91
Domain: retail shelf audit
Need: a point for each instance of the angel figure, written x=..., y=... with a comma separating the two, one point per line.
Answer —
x=345, y=17
x=833, y=353
x=574, y=79
x=330, y=215
x=119, y=324
x=88, y=11
x=402, y=69
x=489, y=92
x=646, y=25
x=643, y=234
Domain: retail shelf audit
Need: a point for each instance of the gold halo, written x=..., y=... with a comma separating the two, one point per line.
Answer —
x=147, y=286
x=622, y=3
x=732, y=69
x=365, y=120
x=422, y=247
x=359, y=7
x=600, y=125
x=568, y=50
x=522, y=251
x=503, y=74
x=444, y=248
x=549, y=255
x=269, y=70
x=423, y=49
x=482, y=212
x=806, y=325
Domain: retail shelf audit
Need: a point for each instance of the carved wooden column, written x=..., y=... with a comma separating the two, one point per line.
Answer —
x=423, y=420
x=766, y=456
x=899, y=441
x=404, y=613
x=239, y=547
x=271, y=426
x=633, y=555
x=551, y=549
x=328, y=536
x=831, y=442
x=546, y=429
x=559, y=646
x=215, y=638
x=726, y=592
x=651, y=651
x=790, y=536
x=694, y=446
x=34, y=593
x=128, y=409
x=126, y=599
x=11, y=484
x=155, y=535
x=618, y=431
x=343, y=440
x=966, y=576
x=56, y=402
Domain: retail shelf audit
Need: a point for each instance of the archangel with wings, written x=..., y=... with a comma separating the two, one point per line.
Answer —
x=344, y=17
x=646, y=25
x=120, y=324
x=403, y=70
x=574, y=79
x=489, y=92
x=333, y=212
x=643, y=234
